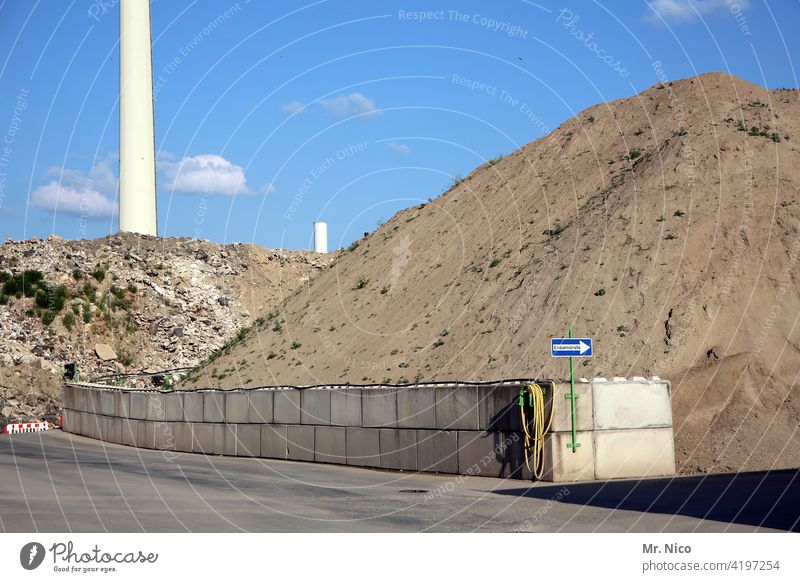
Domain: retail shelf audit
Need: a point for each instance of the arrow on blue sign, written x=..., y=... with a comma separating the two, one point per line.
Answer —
x=575, y=347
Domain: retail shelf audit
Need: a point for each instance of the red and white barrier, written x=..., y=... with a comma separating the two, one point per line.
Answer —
x=23, y=427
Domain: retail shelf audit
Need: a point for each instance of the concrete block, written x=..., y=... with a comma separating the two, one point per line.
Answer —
x=193, y=406
x=562, y=418
x=300, y=442
x=329, y=444
x=164, y=436
x=173, y=407
x=511, y=451
x=203, y=435
x=94, y=401
x=286, y=406
x=68, y=397
x=619, y=405
x=561, y=464
x=634, y=453
x=122, y=404
x=71, y=421
x=107, y=404
x=183, y=437
x=102, y=427
x=149, y=434
x=315, y=406
x=80, y=399
x=138, y=405
x=363, y=447
x=481, y=453
x=220, y=438
x=398, y=448
x=237, y=407
x=346, y=407
x=144, y=434
x=437, y=451
x=102, y=424
x=115, y=430
x=213, y=406
x=229, y=439
x=155, y=406
x=416, y=407
x=498, y=407
x=260, y=407
x=273, y=441
x=457, y=408
x=248, y=440
x=379, y=407
x=85, y=423
x=130, y=430
x=96, y=423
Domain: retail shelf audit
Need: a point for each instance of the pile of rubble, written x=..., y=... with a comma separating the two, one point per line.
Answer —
x=132, y=304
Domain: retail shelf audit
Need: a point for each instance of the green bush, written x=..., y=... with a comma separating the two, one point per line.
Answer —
x=124, y=357
x=89, y=291
x=362, y=282
x=77, y=274
x=634, y=153
x=68, y=320
x=48, y=317
x=42, y=299
x=600, y=292
x=295, y=345
x=25, y=284
x=99, y=274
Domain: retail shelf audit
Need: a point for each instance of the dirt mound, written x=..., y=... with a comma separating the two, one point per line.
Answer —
x=127, y=303
x=664, y=225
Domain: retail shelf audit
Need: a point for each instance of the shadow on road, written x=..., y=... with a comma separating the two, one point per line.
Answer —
x=769, y=499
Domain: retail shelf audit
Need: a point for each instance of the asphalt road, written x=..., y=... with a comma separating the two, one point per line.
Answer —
x=56, y=482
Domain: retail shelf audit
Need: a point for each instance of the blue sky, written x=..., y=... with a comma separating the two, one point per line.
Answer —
x=271, y=115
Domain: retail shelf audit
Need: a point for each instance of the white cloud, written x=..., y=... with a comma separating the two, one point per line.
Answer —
x=74, y=192
x=206, y=173
x=293, y=107
x=399, y=148
x=689, y=10
x=267, y=189
x=84, y=202
x=352, y=104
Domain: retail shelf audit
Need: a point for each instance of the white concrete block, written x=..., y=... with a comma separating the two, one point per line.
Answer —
x=561, y=464
x=621, y=405
x=562, y=416
x=623, y=454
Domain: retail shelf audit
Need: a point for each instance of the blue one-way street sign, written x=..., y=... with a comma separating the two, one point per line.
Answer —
x=565, y=347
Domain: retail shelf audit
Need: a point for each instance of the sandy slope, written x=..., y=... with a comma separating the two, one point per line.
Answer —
x=680, y=261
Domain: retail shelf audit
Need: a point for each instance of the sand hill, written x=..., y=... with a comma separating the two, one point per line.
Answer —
x=127, y=304
x=664, y=225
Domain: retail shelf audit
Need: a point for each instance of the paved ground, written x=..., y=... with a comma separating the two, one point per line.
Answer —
x=54, y=482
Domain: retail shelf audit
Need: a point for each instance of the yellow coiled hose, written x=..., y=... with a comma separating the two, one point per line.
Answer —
x=534, y=427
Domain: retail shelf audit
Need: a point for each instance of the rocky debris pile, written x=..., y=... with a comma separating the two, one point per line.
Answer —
x=126, y=303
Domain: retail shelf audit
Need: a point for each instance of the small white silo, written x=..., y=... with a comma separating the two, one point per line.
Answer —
x=320, y=237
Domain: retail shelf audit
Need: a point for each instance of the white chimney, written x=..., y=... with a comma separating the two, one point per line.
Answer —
x=137, y=164
x=320, y=237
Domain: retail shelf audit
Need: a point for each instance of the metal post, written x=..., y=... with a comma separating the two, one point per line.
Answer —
x=571, y=396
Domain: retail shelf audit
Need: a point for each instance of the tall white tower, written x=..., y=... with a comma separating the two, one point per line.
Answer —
x=137, y=157
x=320, y=237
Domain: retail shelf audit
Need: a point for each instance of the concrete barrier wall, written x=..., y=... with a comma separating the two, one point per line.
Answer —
x=448, y=428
